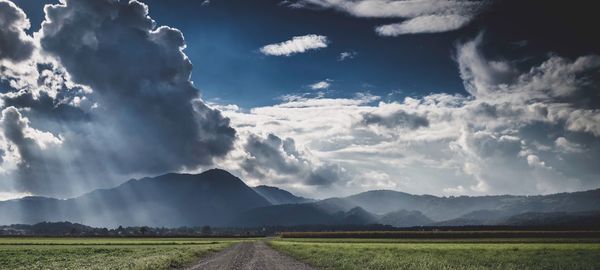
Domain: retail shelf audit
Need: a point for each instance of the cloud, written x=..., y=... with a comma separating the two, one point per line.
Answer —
x=397, y=119
x=423, y=16
x=280, y=161
x=15, y=45
x=298, y=44
x=424, y=24
x=566, y=146
x=320, y=85
x=347, y=55
x=521, y=130
x=115, y=90
x=24, y=146
x=479, y=74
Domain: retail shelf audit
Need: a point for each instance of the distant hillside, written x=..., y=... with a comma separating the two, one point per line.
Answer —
x=279, y=196
x=213, y=197
x=406, y=210
x=405, y=218
x=446, y=208
x=284, y=215
x=217, y=198
x=576, y=219
x=357, y=216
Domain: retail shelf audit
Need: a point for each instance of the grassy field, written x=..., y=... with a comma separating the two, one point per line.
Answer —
x=450, y=234
x=105, y=253
x=517, y=254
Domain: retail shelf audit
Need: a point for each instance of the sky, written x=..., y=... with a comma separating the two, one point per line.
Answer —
x=319, y=97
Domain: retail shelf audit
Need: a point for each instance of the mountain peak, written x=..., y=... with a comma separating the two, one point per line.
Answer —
x=217, y=172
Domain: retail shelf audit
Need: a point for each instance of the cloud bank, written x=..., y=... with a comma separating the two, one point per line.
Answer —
x=299, y=44
x=519, y=131
x=101, y=94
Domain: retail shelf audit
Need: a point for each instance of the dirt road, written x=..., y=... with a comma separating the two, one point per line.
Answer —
x=254, y=255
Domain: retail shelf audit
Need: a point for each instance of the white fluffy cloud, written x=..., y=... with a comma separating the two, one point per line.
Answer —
x=421, y=16
x=299, y=44
x=320, y=85
x=520, y=131
x=15, y=45
x=424, y=24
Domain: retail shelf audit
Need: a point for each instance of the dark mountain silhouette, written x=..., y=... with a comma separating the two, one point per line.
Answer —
x=477, y=217
x=576, y=219
x=217, y=198
x=284, y=215
x=46, y=228
x=300, y=215
x=446, y=208
x=211, y=198
x=279, y=196
x=406, y=210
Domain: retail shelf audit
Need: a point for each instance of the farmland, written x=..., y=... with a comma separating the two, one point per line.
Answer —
x=483, y=253
x=105, y=253
x=367, y=250
x=450, y=234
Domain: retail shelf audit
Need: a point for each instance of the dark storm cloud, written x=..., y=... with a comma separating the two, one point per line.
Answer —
x=280, y=160
x=15, y=45
x=325, y=175
x=141, y=80
x=46, y=107
x=400, y=119
x=13, y=127
x=141, y=115
x=270, y=152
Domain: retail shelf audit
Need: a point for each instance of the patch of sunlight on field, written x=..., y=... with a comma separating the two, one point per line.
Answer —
x=337, y=254
x=105, y=253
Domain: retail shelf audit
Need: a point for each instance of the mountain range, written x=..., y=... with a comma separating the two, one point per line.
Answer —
x=217, y=198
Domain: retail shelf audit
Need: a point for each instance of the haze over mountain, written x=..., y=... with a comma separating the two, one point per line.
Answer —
x=217, y=198
x=210, y=198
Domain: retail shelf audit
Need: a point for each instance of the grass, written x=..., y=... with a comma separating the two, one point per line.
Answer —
x=445, y=234
x=377, y=254
x=444, y=240
x=105, y=253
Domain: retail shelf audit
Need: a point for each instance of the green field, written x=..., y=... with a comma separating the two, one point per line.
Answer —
x=332, y=253
x=105, y=253
x=517, y=254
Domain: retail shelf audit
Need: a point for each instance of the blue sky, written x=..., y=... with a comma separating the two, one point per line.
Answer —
x=223, y=40
x=440, y=97
x=224, y=37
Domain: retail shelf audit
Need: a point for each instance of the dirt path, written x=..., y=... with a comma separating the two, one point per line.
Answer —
x=254, y=255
